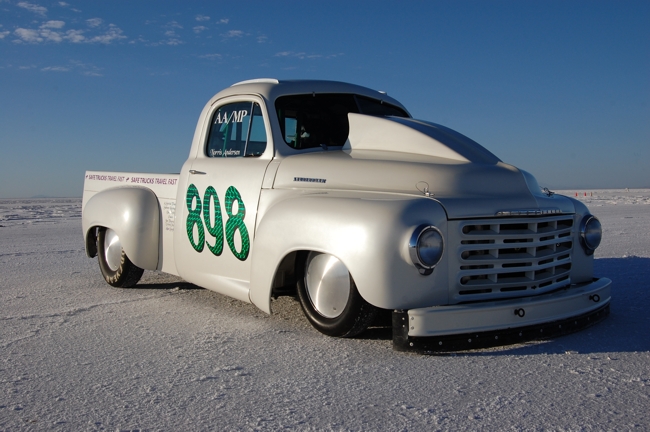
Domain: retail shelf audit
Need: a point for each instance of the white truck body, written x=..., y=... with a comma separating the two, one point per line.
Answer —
x=282, y=173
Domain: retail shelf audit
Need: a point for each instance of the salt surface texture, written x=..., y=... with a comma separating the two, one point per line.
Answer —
x=78, y=354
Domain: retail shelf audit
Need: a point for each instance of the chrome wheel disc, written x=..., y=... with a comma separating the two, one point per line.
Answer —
x=328, y=284
x=112, y=249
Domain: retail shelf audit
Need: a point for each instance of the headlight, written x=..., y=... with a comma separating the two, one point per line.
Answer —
x=425, y=248
x=590, y=233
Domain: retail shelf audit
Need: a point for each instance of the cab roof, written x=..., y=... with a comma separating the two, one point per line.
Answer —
x=271, y=89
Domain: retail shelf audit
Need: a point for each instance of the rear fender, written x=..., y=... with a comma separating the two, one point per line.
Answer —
x=134, y=214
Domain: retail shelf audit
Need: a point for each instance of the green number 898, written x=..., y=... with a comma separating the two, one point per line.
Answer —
x=199, y=215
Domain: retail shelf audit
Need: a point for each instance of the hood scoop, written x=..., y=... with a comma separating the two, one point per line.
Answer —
x=406, y=135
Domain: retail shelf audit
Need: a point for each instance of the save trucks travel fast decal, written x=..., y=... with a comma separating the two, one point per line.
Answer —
x=199, y=215
x=164, y=181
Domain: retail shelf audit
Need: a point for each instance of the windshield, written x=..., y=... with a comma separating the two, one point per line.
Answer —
x=315, y=120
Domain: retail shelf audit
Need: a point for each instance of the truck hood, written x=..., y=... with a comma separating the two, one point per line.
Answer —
x=406, y=156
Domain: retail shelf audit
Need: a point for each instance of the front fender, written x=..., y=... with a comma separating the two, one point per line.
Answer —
x=368, y=232
x=134, y=214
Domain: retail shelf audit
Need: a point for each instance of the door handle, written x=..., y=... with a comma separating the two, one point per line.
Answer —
x=196, y=172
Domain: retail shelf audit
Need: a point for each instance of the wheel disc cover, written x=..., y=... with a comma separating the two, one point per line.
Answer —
x=112, y=249
x=328, y=284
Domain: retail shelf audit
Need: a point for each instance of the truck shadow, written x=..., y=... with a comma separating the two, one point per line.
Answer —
x=625, y=330
x=181, y=285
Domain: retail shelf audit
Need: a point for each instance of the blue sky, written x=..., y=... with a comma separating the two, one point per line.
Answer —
x=558, y=88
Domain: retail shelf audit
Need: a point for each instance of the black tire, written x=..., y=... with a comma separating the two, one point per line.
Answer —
x=355, y=317
x=123, y=273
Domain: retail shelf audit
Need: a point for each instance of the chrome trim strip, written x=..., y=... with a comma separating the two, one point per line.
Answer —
x=528, y=212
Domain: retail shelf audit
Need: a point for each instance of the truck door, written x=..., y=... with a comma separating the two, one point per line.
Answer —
x=214, y=234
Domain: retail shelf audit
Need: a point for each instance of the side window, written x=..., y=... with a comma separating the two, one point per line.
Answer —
x=257, y=135
x=237, y=130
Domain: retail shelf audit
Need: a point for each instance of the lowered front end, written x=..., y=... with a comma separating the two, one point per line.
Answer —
x=512, y=279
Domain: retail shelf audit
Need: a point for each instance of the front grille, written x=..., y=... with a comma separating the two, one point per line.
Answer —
x=512, y=257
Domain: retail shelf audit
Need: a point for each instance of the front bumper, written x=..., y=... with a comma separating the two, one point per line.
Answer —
x=488, y=324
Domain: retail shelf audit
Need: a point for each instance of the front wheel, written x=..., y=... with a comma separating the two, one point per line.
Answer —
x=116, y=267
x=329, y=297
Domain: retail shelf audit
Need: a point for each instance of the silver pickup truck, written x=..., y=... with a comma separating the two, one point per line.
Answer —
x=332, y=193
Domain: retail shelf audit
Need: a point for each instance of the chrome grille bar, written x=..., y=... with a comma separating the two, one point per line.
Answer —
x=510, y=257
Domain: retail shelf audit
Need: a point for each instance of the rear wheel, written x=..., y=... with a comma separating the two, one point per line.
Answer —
x=116, y=267
x=329, y=297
